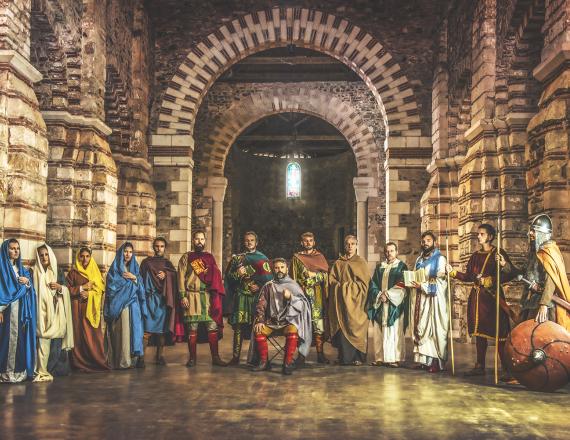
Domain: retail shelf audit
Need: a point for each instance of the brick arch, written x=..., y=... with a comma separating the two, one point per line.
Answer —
x=277, y=27
x=325, y=105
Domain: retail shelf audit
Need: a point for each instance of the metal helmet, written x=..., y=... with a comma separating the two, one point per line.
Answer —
x=542, y=223
x=542, y=227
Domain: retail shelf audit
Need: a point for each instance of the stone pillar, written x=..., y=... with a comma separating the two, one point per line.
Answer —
x=405, y=176
x=479, y=182
x=363, y=187
x=172, y=179
x=23, y=142
x=136, y=203
x=439, y=203
x=82, y=188
x=548, y=147
x=216, y=189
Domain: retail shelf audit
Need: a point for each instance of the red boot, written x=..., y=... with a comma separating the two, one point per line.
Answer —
x=213, y=341
x=263, y=351
x=192, y=340
x=291, y=341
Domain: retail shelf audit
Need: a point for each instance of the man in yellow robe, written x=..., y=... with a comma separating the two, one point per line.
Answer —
x=547, y=273
x=348, y=292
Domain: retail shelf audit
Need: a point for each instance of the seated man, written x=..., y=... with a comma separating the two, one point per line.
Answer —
x=281, y=307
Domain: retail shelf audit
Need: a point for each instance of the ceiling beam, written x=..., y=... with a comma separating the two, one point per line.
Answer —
x=292, y=61
x=291, y=138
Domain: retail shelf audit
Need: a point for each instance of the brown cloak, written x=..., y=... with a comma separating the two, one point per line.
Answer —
x=348, y=291
x=167, y=287
x=88, y=353
x=315, y=262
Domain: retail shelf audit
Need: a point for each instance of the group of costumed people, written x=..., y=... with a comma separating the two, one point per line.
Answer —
x=50, y=324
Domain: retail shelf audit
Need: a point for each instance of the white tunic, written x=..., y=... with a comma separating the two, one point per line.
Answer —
x=389, y=342
x=429, y=317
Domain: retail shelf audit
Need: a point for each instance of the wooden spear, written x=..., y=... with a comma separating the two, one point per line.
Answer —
x=498, y=295
x=450, y=308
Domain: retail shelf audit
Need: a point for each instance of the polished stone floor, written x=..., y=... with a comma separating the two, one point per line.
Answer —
x=317, y=402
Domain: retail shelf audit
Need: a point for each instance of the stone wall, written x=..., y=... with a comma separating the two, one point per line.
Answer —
x=221, y=107
x=23, y=143
x=405, y=30
x=507, y=146
x=89, y=54
x=258, y=203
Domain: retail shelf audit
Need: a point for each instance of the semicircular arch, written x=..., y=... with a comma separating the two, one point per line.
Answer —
x=344, y=116
x=278, y=27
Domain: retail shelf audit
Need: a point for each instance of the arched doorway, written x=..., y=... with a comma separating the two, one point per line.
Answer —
x=289, y=173
x=404, y=150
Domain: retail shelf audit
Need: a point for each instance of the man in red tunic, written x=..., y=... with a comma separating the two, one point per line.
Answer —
x=201, y=289
x=481, y=306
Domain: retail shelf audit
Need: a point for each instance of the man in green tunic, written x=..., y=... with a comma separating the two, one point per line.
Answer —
x=246, y=274
x=310, y=268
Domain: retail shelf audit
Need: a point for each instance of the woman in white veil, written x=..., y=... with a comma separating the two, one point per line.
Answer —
x=55, y=327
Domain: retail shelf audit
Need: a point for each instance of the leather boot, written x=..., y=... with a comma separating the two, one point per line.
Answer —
x=192, y=340
x=263, y=351
x=140, y=362
x=291, y=340
x=236, y=350
x=321, y=358
x=300, y=361
x=213, y=341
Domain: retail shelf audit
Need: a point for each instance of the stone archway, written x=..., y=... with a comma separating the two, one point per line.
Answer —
x=277, y=27
x=210, y=180
x=408, y=149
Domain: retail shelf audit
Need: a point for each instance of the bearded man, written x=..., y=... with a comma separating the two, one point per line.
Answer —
x=430, y=319
x=245, y=276
x=348, y=292
x=546, y=273
x=161, y=287
x=281, y=308
x=310, y=268
x=201, y=291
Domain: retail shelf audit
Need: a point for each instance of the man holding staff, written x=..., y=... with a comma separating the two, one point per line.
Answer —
x=482, y=272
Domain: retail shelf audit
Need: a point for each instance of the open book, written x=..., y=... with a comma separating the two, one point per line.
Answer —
x=419, y=276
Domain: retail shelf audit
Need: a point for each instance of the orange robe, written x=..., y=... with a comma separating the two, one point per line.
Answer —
x=551, y=258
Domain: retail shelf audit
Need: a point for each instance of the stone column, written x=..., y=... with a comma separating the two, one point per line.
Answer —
x=172, y=179
x=23, y=149
x=362, y=190
x=82, y=188
x=216, y=189
x=136, y=202
x=405, y=177
x=439, y=202
x=548, y=147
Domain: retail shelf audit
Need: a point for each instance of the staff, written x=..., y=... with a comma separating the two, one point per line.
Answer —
x=449, y=302
x=498, y=297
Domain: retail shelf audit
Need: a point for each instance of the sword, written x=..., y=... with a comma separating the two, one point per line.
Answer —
x=555, y=299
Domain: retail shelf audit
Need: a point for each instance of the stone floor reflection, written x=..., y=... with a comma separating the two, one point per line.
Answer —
x=317, y=402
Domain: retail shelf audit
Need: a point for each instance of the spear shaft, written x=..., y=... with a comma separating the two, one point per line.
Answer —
x=450, y=305
x=498, y=297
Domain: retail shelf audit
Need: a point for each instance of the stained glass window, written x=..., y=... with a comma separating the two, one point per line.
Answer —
x=293, y=180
